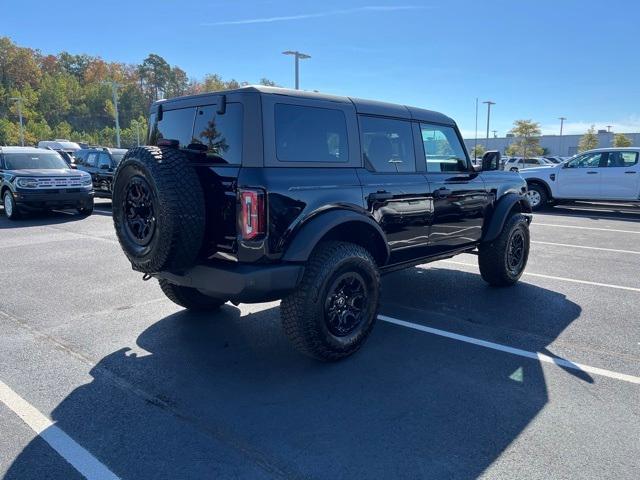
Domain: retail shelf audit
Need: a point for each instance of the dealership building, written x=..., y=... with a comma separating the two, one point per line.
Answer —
x=563, y=146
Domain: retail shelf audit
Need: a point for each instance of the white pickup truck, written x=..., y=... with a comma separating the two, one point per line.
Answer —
x=611, y=174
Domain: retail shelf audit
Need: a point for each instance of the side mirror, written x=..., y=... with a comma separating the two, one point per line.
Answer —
x=73, y=166
x=491, y=160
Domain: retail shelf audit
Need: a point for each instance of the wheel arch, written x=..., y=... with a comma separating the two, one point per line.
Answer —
x=504, y=207
x=542, y=183
x=345, y=225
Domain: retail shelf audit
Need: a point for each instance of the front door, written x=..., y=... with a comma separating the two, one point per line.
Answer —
x=580, y=178
x=395, y=192
x=619, y=180
x=459, y=195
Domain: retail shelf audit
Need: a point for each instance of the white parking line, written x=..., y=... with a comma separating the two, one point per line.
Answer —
x=586, y=247
x=584, y=228
x=563, y=279
x=67, y=448
x=561, y=362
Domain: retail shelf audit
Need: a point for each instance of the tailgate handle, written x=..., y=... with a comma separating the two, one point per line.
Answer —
x=442, y=192
x=630, y=172
x=592, y=173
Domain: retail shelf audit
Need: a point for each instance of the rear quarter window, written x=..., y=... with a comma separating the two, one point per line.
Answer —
x=310, y=134
x=175, y=125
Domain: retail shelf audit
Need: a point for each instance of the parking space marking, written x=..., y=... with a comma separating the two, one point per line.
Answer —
x=600, y=229
x=563, y=279
x=79, y=458
x=586, y=247
x=561, y=362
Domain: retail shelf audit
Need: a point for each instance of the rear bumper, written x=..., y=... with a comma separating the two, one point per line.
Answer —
x=240, y=283
x=53, y=200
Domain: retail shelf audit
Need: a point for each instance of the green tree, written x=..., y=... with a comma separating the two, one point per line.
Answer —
x=477, y=151
x=527, y=143
x=621, y=140
x=589, y=140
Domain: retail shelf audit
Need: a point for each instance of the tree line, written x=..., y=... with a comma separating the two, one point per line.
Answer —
x=527, y=141
x=70, y=95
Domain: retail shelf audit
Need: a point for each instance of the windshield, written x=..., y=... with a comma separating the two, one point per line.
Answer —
x=41, y=160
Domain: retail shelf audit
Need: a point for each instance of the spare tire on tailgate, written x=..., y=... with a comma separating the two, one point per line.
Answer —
x=158, y=209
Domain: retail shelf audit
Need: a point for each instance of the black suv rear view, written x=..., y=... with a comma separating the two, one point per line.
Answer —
x=262, y=193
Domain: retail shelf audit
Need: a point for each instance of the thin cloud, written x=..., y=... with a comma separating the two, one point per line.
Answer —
x=304, y=16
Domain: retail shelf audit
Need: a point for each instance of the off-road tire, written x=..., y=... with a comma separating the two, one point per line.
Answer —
x=189, y=298
x=544, y=197
x=303, y=311
x=493, y=257
x=178, y=206
x=15, y=212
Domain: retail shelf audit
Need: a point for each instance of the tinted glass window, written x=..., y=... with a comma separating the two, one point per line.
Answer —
x=24, y=161
x=310, y=134
x=622, y=159
x=588, y=160
x=92, y=159
x=104, y=159
x=387, y=145
x=80, y=156
x=442, y=149
x=117, y=157
x=175, y=125
x=221, y=134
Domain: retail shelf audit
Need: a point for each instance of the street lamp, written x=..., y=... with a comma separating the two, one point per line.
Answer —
x=298, y=56
x=18, y=100
x=562, y=119
x=489, y=103
x=114, y=91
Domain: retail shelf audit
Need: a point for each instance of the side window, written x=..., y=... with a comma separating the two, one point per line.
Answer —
x=104, y=161
x=622, y=159
x=92, y=159
x=80, y=157
x=310, y=134
x=588, y=160
x=221, y=134
x=387, y=145
x=443, y=150
x=175, y=125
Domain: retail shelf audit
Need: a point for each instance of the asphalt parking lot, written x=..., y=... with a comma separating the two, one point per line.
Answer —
x=458, y=380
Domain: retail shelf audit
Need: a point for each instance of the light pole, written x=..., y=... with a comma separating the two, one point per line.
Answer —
x=489, y=103
x=475, y=145
x=495, y=133
x=18, y=100
x=114, y=91
x=137, y=125
x=562, y=119
x=298, y=56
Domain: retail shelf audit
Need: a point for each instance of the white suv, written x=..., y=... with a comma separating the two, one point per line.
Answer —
x=611, y=174
x=515, y=164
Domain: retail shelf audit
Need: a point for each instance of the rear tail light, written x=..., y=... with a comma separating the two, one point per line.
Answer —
x=253, y=214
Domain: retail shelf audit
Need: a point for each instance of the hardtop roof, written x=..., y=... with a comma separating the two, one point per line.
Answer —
x=371, y=107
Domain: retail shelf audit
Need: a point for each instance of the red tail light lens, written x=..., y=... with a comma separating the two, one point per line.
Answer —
x=253, y=214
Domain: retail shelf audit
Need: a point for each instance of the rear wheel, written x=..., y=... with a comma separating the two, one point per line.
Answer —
x=537, y=196
x=189, y=298
x=332, y=313
x=10, y=207
x=502, y=261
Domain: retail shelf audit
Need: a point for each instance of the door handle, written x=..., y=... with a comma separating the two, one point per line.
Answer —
x=592, y=173
x=442, y=192
x=630, y=172
x=380, y=196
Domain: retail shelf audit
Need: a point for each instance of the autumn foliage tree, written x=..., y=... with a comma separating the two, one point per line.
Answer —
x=589, y=140
x=65, y=95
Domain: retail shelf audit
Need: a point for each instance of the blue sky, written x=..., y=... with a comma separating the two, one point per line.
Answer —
x=536, y=59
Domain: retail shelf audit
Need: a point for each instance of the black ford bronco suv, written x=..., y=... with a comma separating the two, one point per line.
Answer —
x=262, y=193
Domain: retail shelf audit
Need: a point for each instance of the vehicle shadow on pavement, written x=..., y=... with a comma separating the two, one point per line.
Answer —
x=225, y=395
x=594, y=212
x=35, y=219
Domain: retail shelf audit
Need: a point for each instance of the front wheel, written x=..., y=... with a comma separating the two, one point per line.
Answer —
x=537, y=196
x=502, y=261
x=86, y=209
x=10, y=207
x=333, y=310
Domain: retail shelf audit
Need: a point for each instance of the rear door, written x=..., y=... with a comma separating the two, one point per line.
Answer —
x=619, y=180
x=91, y=167
x=395, y=189
x=580, y=178
x=104, y=173
x=459, y=196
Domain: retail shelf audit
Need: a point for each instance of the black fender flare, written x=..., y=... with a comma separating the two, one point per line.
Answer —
x=314, y=230
x=501, y=212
